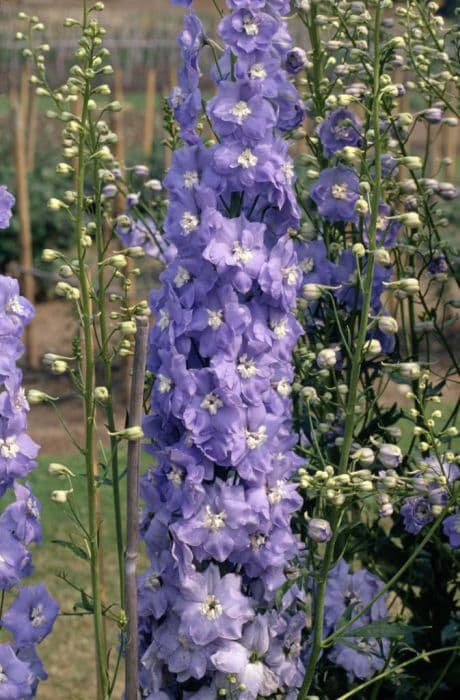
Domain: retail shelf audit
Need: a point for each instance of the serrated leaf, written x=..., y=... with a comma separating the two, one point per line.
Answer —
x=75, y=549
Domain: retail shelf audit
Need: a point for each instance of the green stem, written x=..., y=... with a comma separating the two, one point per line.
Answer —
x=317, y=640
x=395, y=669
x=106, y=359
x=89, y=406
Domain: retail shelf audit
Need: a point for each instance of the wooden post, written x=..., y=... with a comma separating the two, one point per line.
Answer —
x=172, y=83
x=132, y=515
x=449, y=137
x=33, y=124
x=149, y=121
x=25, y=233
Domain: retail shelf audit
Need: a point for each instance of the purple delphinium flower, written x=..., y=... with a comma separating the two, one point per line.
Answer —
x=416, y=513
x=341, y=128
x=352, y=591
x=451, y=529
x=335, y=194
x=15, y=676
x=319, y=530
x=6, y=205
x=30, y=617
x=218, y=502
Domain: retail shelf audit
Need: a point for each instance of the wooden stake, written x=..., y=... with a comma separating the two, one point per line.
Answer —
x=172, y=83
x=450, y=142
x=32, y=140
x=25, y=233
x=132, y=516
x=149, y=121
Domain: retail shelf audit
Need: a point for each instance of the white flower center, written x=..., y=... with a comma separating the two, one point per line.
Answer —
x=8, y=448
x=175, y=475
x=382, y=223
x=190, y=179
x=276, y=494
x=257, y=540
x=31, y=505
x=13, y=306
x=257, y=72
x=182, y=277
x=257, y=438
x=215, y=318
x=177, y=97
x=241, y=254
x=307, y=265
x=246, y=367
x=163, y=321
x=280, y=328
x=3, y=676
x=211, y=608
x=283, y=387
x=241, y=111
x=288, y=172
x=165, y=384
x=37, y=617
x=214, y=521
x=250, y=26
x=189, y=222
x=291, y=274
x=339, y=191
x=20, y=400
x=153, y=581
x=211, y=403
x=247, y=159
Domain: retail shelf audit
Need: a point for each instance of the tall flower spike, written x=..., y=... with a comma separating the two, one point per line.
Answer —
x=31, y=616
x=218, y=502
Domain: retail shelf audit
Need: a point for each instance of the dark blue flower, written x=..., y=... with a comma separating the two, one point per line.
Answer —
x=341, y=128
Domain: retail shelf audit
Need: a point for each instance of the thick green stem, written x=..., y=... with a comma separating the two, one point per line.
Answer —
x=355, y=369
x=88, y=399
x=107, y=362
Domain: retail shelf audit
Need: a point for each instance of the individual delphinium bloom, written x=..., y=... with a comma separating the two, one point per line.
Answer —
x=15, y=560
x=140, y=233
x=31, y=616
x=416, y=513
x=22, y=518
x=335, y=194
x=348, y=591
x=219, y=500
x=451, y=529
x=248, y=30
x=341, y=128
x=15, y=676
x=7, y=202
x=15, y=310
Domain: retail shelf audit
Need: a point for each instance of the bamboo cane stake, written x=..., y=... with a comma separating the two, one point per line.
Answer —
x=132, y=525
x=149, y=121
x=33, y=125
x=25, y=233
x=450, y=142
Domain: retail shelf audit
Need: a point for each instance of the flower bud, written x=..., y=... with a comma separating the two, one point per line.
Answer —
x=358, y=250
x=319, y=530
x=59, y=366
x=35, y=397
x=372, y=348
x=61, y=496
x=388, y=324
x=390, y=455
x=361, y=206
x=101, y=393
x=326, y=359
x=365, y=456
x=311, y=291
x=410, y=219
x=128, y=327
x=382, y=256
x=409, y=370
x=118, y=261
x=135, y=432
x=48, y=255
x=56, y=469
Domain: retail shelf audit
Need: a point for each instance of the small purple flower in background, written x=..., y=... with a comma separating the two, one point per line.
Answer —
x=335, y=194
x=15, y=676
x=451, y=529
x=416, y=513
x=341, y=128
x=7, y=202
x=296, y=59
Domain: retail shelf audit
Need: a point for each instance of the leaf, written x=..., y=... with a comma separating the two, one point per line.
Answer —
x=78, y=551
x=85, y=603
x=379, y=630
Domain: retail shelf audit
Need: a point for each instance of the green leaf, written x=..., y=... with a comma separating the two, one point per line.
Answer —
x=85, y=603
x=379, y=630
x=78, y=551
